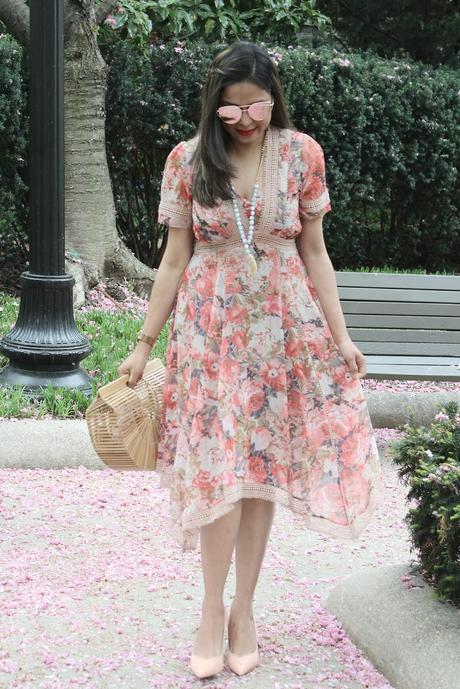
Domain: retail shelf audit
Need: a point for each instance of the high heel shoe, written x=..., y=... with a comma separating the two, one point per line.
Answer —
x=206, y=667
x=241, y=664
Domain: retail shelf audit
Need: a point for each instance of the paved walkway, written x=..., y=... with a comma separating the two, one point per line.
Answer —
x=93, y=594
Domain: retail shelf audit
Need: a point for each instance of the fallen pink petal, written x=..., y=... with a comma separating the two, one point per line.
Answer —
x=95, y=594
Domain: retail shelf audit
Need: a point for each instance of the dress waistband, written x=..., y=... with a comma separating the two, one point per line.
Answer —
x=279, y=242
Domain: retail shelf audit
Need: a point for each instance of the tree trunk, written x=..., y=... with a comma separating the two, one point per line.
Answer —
x=90, y=227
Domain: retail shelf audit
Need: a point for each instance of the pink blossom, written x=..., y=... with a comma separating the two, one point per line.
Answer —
x=412, y=387
x=49, y=660
x=81, y=535
x=275, y=55
x=441, y=416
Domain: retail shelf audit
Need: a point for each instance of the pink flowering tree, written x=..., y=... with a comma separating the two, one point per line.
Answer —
x=276, y=21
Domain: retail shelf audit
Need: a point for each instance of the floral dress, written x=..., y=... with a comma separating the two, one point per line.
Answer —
x=258, y=400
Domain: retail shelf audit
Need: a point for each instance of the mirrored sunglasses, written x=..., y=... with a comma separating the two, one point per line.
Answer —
x=231, y=114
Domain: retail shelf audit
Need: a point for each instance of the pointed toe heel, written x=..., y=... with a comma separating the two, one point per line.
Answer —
x=206, y=667
x=241, y=664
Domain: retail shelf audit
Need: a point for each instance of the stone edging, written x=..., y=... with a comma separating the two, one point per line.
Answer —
x=407, y=634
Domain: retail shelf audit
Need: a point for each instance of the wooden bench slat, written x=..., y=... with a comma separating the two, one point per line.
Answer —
x=407, y=326
x=416, y=360
x=422, y=282
x=399, y=308
x=401, y=371
x=409, y=322
x=384, y=294
x=408, y=348
x=403, y=336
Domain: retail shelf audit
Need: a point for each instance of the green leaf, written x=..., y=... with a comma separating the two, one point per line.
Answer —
x=209, y=25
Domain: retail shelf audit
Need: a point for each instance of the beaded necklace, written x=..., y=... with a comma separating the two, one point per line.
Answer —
x=247, y=239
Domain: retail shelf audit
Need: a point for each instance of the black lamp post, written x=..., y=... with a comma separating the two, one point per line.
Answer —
x=45, y=347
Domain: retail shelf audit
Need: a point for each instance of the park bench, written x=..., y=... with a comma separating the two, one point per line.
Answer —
x=407, y=326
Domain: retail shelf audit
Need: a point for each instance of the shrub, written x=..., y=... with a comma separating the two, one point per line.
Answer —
x=429, y=463
x=153, y=103
x=389, y=129
x=13, y=189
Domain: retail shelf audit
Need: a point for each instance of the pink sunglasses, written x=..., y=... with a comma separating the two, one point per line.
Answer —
x=231, y=114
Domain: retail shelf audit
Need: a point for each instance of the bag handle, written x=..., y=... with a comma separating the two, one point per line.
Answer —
x=110, y=389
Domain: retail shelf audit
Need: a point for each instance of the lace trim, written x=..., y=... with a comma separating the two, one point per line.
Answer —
x=175, y=215
x=309, y=208
x=312, y=216
x=279, y=242
x=186, y=535
x=270, y=182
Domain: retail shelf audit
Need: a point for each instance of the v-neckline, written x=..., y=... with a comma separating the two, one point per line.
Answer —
x=268, y=185
x=263, y=166
x=243, y=198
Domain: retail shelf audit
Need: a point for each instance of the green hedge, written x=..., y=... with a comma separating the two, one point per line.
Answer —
x=151, y=105
x=13, y=162
x=389, y=128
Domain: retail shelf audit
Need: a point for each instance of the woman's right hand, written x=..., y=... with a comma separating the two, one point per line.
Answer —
x=134, y=366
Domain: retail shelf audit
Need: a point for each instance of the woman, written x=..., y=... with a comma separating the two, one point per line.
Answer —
x=262, y=400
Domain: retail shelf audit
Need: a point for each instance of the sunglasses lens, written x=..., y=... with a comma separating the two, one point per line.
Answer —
x=231, y=114
x=257, y=111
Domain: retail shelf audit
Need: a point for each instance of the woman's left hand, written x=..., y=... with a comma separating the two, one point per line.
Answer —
x=353, y=357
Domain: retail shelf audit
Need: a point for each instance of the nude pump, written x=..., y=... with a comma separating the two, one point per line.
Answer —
x=241, y=664
x=206, y=667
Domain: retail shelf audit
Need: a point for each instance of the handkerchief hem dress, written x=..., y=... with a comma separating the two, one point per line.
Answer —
x=258, y=400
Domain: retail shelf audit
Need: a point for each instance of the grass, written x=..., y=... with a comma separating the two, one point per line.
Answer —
x=391, y=269
x=112, y=336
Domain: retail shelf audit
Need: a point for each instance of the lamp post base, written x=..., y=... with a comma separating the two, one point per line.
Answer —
x=45, y=347
x=35, y=381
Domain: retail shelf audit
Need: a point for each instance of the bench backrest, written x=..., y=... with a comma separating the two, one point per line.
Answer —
x=400, y=314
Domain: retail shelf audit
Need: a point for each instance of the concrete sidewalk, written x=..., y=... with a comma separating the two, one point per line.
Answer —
x=94, y=594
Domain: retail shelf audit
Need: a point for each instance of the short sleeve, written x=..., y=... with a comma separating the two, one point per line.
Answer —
x=314, y=198
x=175, y=207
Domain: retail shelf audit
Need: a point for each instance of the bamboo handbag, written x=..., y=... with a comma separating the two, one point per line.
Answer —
x=124, y=422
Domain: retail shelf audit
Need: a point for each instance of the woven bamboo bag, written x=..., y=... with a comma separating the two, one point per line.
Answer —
x=124, y=422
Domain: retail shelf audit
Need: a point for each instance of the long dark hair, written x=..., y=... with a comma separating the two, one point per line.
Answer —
x=240, y=61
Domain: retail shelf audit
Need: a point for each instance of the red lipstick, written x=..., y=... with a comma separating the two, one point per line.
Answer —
x=246, y=132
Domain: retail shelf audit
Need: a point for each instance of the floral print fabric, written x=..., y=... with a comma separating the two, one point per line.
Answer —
x=258, y=400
